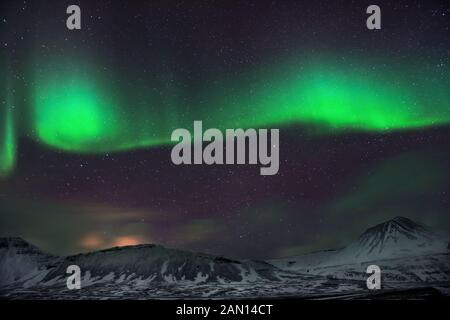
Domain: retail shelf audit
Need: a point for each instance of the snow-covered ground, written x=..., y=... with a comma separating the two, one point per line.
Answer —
x=410, y=256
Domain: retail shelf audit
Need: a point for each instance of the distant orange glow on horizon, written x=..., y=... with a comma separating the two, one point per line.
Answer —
x=128, y=241
x=95, y=242
x=92, y=241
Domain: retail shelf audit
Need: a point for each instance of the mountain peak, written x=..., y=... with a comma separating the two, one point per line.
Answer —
x=403, y=221
x=399, y=226
x=19, y=245
x=13, y=242
x=397, y=237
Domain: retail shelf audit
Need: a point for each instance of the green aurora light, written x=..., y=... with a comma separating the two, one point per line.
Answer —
x=7, y=143
x=77, y=109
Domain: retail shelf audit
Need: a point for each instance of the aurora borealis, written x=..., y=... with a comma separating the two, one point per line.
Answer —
x=8, y=144
x=76, y=110
x=86, y=119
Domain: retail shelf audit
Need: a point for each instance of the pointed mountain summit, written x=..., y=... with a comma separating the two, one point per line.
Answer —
x=395, y=238
x=18, y=245
x=18, y=259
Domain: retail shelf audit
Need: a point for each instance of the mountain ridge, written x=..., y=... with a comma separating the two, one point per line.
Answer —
x=139, y=262
x=409, y=254
x=392, y=239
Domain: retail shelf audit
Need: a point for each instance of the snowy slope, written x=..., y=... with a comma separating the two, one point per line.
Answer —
x=152, y=263
x=404, y=249
x=25, y=265
x=399, y=237
x=20, y=260
x=410, y=256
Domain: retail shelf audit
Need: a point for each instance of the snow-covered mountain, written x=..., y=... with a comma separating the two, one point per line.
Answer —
x=24, y=264
x=410, y=256
x=405, y=251
x=154, y=263
x=396, y=238
x=19, y=260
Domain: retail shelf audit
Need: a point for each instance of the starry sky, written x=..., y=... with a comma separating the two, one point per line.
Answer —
x=86, y=118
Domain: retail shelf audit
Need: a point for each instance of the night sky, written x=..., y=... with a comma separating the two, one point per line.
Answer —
x=86, y=118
